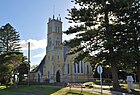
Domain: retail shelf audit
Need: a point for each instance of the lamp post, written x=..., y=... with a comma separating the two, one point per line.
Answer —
x=28, y=63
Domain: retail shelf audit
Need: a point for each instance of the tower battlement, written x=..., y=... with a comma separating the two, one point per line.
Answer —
x=57, y=19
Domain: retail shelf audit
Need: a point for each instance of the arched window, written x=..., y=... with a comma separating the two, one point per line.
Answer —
x=74, y=68
x=87, y=69
x=81, y=66
x=48, y=74
x=78, y=68
x=68, y=69
x=57, y=41
x=57, y=29
x=58, y=57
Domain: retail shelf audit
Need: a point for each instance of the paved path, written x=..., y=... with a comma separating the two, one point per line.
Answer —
x=92, y=90
x=97, y=91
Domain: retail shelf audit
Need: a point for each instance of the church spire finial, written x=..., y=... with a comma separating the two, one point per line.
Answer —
x=53, y=11
x=59, y=17
x=53, y=16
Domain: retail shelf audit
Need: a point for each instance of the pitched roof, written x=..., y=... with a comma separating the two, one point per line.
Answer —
x=41, y=65
x=66, y=49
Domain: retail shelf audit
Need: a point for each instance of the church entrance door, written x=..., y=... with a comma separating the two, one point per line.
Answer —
x=58, y=76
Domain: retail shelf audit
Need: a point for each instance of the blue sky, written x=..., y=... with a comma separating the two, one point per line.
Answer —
x=29, y=18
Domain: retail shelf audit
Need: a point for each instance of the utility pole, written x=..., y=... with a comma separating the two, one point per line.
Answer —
x=28, y=63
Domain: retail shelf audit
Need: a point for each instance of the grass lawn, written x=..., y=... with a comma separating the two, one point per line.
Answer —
x=25, y=89
x=44, y=90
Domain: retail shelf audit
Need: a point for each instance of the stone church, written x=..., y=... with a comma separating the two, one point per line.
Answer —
x=57, y=66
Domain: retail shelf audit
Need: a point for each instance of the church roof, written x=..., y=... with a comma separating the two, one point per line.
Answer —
x=66, y=50
x=41, y=65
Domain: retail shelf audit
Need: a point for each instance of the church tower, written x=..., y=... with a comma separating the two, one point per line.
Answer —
x=57, y=66
x=54, y=33
x=54, y=50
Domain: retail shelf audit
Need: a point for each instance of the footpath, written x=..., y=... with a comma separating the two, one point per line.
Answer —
x=97, y=91
x=106, y=90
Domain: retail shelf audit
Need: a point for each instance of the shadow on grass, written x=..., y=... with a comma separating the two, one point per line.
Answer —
x=25, y=90
x=73, y=93
x=123, y=90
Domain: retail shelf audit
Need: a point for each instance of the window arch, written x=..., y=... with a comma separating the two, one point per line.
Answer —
x=68, y=68
x=87, y=69
x=81, y=66
x=57, y=29
x=74, y=68
x=57, y=41
x=78, y=68
x=48, y=74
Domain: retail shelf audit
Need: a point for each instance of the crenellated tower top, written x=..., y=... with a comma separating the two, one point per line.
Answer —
x=54, y=31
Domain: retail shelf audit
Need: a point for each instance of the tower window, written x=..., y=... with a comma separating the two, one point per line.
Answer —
x=57, y=41
x=58, y=58
x=57, y=28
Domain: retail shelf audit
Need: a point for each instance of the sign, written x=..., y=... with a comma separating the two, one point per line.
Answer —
x=99, y=69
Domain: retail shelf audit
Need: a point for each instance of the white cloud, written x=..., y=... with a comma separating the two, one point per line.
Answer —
x=40, y=55
x=35, y=44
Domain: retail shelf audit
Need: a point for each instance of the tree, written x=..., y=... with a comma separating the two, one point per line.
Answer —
x=131, y=21
x=22, y=69
x=12, y=61
x=9, y=39
x=13, y=64
x=98, y=32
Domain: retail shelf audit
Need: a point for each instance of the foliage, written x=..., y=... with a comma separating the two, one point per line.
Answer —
x=132, y=22
x=106, y=33
x=9, y=39
x=12, y=60
x=12, y=64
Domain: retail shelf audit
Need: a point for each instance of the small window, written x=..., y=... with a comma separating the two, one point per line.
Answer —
x=87, y=69
x=48, y=74
x=68, y=69
x=55, y=28
x=74, y=68
x=81, y=67
x=58, y=58
x=78, y=68
x=48, y=58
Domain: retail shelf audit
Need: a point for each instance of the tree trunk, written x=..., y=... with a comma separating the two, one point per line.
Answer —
x=115, y=76
x=138, y=72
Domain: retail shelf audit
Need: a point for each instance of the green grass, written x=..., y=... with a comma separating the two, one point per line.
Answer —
x=52, y=90
x=41, y=90
x=26, y=89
